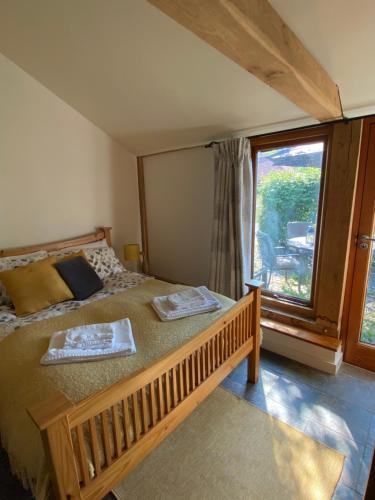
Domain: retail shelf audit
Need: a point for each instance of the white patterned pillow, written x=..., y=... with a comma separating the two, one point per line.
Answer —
x=68, y=250
x=104, y=261
x=17, y=261
x=62, y=253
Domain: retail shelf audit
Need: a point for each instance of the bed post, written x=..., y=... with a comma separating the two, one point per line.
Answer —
x=253, y=358
x=51, y=418
x=107, y=234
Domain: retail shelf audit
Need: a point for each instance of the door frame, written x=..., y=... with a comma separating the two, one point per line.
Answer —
x=355, y=352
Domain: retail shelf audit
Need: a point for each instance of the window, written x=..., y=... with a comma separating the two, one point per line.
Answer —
x=289, y=177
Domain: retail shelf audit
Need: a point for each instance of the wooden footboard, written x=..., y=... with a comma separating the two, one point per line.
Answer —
x=93, y=444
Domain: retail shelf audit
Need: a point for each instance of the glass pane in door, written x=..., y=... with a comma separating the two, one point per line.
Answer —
x=368, y=323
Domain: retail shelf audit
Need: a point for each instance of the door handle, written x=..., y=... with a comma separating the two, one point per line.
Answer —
x=363, y=241
x=365, y=237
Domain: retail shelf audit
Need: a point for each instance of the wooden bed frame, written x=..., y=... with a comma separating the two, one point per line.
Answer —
x=131, y=417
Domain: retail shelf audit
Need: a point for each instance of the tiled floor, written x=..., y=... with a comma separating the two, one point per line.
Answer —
x=336, y=410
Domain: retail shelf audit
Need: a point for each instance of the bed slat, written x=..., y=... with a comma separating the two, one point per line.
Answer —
x=126, y=423
x=153, y=403
x=95, y=446
x=82, y=455
x=145, y=420
x=135, y=417
x=116, y=430
x=106, y=438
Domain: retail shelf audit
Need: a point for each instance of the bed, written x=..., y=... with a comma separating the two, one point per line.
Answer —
x=82, y=427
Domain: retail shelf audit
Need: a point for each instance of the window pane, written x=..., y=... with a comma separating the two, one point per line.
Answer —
x=287, y=202
x=368, y=323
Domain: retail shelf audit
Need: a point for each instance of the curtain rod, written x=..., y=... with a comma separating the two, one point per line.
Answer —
x=212, y=143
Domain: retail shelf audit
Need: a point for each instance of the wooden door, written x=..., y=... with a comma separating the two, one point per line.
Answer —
x=360, y=342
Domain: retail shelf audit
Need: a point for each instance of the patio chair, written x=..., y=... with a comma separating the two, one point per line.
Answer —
x=277, y=259
x=296, y=229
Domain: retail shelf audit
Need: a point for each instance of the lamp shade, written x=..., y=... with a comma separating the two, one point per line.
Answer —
x=132, y=251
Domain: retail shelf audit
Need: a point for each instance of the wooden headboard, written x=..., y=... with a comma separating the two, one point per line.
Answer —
x=100, y=234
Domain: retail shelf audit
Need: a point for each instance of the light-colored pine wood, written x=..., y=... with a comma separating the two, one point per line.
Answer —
x=181, y=381
x=116, y=430
x=208, y=358
x=326, y=341
x=135, y=416
x=227, y=340
x=187, y=377
x=174, y=387
x=192, y=364
x=236, y=332
x=198, y=366
x=231, y=338
x=145, y=419
x=106, y=437
x=204, y=364
x=243, y=326
x=95, y=446
x=58, y=445
x=222, y=346
x=213, y=354
x=160, y=398
x=217, y=351
x=153, y=411
x=82, y=455
x=100, y=234
x=45, y=413
x=126, y=423
x=167, y=393
x=252, y=34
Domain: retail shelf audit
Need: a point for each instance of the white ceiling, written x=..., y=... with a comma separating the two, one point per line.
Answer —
x=153, y=85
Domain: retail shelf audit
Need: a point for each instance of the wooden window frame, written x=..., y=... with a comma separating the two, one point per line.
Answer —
x=286, y=305
x=337, y=207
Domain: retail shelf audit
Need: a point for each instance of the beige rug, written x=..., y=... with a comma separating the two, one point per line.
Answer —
x=228, y=449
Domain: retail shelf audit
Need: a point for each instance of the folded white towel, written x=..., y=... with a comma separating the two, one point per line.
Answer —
x=97, y=337
x=122, y=344
x=191, y=297
x=166, y=312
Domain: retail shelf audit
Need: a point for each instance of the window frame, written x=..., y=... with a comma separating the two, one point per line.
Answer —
x=275, y=304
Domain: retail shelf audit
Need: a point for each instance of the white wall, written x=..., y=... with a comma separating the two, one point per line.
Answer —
x=179, y=204
x=60, y=175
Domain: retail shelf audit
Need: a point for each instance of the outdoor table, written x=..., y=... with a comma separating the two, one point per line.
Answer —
x=300, y=244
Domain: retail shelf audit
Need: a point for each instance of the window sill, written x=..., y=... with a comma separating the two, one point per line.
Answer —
x=325, y=341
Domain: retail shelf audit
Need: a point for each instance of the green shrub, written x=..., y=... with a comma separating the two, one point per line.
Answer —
x=287, y=196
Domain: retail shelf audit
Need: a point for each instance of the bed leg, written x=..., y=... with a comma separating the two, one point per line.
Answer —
x=51, y=417
x=253, y=358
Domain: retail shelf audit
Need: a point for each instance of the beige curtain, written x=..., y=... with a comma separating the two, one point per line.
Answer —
x=231, y=234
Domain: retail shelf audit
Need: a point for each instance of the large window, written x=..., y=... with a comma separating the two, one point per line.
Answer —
x=289, y=177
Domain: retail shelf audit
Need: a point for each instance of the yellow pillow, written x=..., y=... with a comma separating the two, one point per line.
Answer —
x=35, y=286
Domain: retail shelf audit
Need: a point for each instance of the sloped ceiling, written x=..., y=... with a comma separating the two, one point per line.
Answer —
x=152, y=85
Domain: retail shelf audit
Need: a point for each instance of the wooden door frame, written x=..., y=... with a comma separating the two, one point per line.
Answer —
x=143, y=215
x=367, y=123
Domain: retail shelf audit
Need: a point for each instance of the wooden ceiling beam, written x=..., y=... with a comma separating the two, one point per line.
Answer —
x=252, y=34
